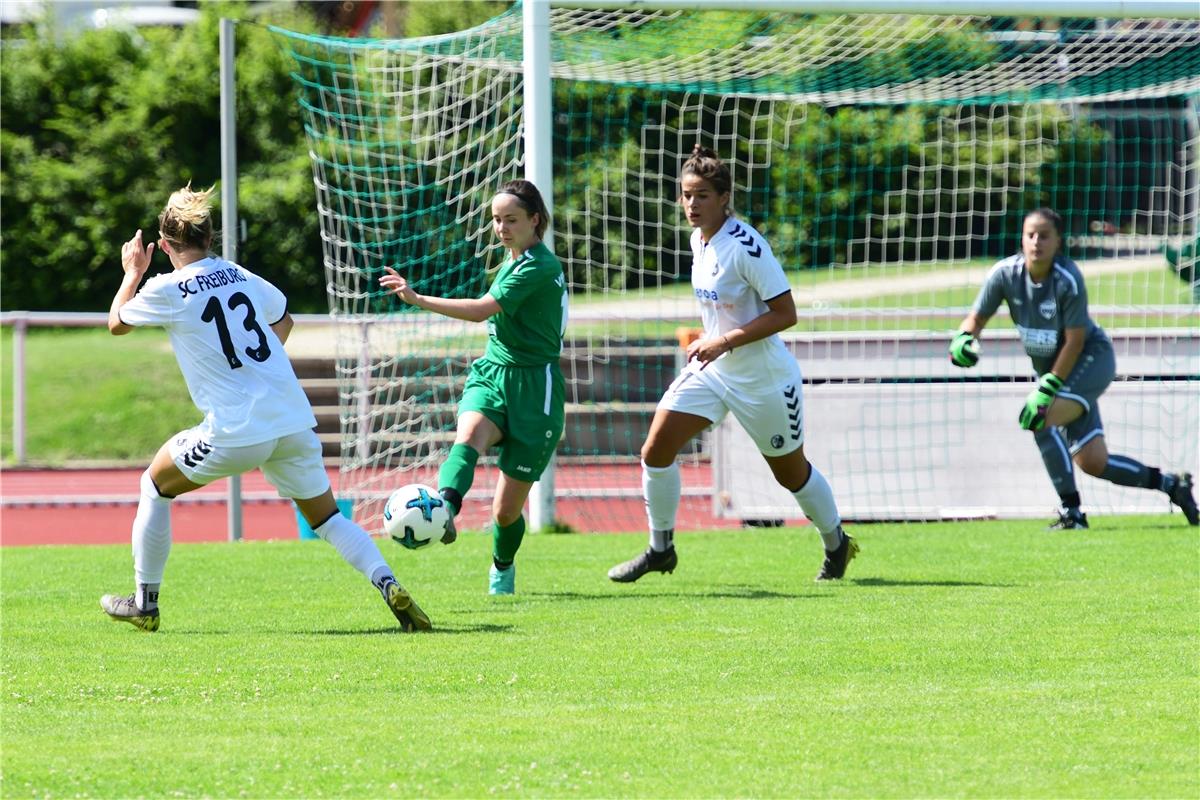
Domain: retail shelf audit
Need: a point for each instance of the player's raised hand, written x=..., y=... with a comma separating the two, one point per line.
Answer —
x=395, y=283
x=135, y=258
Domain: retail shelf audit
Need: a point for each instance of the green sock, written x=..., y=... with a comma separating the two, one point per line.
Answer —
x=506, y=540
x=458, y=472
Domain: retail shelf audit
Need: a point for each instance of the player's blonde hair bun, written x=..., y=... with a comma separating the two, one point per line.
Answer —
x=186, y=221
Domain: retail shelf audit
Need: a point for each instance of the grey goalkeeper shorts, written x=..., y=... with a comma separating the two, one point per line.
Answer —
x=1089, y=379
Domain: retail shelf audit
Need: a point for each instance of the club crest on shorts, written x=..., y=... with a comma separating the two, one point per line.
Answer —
x=1048, y=307
x=777, y=441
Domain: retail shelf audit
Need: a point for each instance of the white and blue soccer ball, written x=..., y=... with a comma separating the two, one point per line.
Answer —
x=415, y=515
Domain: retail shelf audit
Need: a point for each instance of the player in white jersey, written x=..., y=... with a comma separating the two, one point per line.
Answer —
x=227, y=327
x=1073, y=357
x=739, y=365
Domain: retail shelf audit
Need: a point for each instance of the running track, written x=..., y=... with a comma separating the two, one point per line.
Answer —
x=96, y=506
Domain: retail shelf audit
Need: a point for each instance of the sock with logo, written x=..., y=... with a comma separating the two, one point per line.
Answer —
x=506, y=540
x=147, y=596
x=662, y=540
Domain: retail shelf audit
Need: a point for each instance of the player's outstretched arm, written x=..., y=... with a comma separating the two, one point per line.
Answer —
x=470, y=310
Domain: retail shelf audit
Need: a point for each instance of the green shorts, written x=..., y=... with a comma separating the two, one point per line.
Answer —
x=526, y=404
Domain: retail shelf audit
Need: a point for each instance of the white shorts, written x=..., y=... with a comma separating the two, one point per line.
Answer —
x=291, y=463
x=773, y=417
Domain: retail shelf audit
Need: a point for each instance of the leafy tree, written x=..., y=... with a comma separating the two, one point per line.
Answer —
x=100, y=126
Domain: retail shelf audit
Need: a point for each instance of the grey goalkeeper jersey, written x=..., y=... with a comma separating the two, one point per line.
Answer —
x=1041, y=311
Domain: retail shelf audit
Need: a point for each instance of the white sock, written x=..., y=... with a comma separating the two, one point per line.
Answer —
x=661, y=541
x=354, y=545
x=151, y=534
x=816, y=501
x=661, y=488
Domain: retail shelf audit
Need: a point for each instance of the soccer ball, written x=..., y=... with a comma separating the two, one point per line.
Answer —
x=415, y=515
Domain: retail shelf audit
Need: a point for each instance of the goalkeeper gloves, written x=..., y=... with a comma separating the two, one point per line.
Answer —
x=964, y=350
x=1033, y=414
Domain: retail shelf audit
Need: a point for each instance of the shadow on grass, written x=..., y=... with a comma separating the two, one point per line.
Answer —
x=888, y=582
x=723, y=593
x=437, y=628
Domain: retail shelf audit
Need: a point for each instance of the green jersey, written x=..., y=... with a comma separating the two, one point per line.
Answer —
x=532, y=293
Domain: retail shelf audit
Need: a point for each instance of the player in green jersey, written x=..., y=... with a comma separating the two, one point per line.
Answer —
x=515, y=394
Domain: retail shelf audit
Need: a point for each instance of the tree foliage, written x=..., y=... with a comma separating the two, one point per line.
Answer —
x=98, y=128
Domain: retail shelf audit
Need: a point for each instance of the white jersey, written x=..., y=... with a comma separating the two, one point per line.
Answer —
x=733, y=275
x=218, y=315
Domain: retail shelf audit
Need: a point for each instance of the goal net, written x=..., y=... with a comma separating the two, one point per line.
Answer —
x=888, y=159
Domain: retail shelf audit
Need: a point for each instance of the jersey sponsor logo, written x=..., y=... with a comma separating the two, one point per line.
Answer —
x=1039, y=341
x=746, y=240
x=1047, y=308
x=210, y=280
x=706, y=294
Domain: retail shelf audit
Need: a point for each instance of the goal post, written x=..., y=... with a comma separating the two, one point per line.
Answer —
x=539, y=168
x=887, y=151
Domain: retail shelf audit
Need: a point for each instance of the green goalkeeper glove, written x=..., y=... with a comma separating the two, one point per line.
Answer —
x=1033, y=415
x=964, y=350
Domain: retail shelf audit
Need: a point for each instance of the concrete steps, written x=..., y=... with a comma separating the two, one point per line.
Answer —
x=611, y=397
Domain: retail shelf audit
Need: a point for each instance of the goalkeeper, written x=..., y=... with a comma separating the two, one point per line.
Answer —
x=1074, y=360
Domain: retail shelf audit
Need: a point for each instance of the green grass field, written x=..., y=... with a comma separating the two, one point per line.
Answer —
x=94, y=396
x=986, y=659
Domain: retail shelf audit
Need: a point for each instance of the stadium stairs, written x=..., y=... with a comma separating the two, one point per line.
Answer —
x=611, y=397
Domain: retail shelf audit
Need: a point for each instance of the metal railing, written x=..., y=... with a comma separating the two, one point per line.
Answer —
x=21, y=321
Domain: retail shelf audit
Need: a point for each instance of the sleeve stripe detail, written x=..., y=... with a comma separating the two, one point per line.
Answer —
x=1067, y=274
x=281, y=316
x=781, y=294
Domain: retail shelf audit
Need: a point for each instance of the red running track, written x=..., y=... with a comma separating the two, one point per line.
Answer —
x=96, y=506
